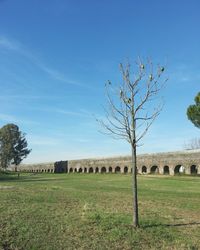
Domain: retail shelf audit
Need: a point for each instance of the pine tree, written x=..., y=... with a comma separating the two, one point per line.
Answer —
x=193, y=111
x=13, y=146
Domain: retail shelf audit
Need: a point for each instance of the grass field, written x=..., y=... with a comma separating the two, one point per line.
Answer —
x=94, y=211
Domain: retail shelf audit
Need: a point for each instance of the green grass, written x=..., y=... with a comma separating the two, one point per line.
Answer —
x=94, y=211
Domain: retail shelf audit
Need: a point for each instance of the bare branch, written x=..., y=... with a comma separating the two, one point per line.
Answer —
x=125, y=114
x=149, y=121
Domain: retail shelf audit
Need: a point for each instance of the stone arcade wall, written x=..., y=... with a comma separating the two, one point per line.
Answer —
x=37, y=167
x=162, y=163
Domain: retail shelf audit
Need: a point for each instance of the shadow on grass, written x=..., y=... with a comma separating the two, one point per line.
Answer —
x=171, y=225
x=38, y=179
x=6, y=176
x=27, y=178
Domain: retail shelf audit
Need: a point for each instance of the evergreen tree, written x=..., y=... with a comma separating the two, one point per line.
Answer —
x=13, y=146
x=193, y=111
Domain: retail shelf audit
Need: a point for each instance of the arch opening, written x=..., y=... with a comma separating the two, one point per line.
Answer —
x=179, y=169
x=85, y=170
x=110, y=170
x=91, y=170
x=125, y=169
x=71, y=170
x=166, y=170
x=154, y=170
x=144, y=169
x=97, y=170
x=103, y=170
x=193, y=169
x=75, y=170
x=80, y=170
x=117, y=169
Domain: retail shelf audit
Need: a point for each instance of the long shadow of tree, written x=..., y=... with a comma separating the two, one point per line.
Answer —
x=170, y=225
x=32, y=177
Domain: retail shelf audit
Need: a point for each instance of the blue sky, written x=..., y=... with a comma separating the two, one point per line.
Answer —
x=55, y=57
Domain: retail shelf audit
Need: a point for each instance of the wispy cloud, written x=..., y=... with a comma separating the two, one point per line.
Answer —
x=42, y=140
x=81, y=113
x=184, y=73
x=55, y=74
x=14, y=119
x=81, y=140
x=19, y=48
x=8, y=44
x=28, y=97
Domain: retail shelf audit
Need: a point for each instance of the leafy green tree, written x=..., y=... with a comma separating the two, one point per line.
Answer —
x=193, y=111
x=13, y=146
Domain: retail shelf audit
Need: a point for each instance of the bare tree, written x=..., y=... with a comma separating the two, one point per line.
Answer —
x=192, y=144
x=131, y=110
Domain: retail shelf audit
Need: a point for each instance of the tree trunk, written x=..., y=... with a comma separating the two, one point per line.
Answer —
x=135, y=198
